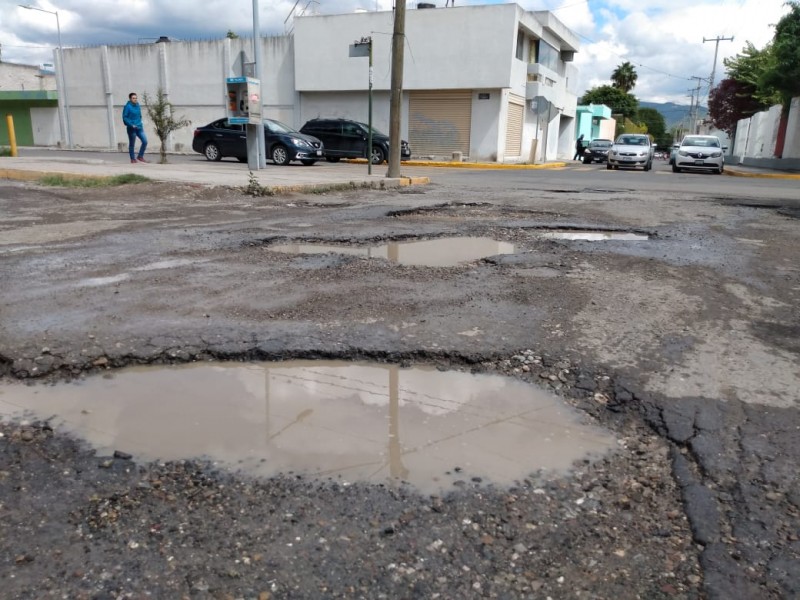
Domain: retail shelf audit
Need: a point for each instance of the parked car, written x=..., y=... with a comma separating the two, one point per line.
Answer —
x=597, y=151
x=699, y=152
x=221, y=138
x=344, y=138
x=631, y=150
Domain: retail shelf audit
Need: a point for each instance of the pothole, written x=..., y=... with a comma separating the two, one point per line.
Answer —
x=592, y=235
x=354, y=421
x=442, y=252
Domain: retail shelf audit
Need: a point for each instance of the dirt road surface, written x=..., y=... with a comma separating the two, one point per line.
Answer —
x=684, y=346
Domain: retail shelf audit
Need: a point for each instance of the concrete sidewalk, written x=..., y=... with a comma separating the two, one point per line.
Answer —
x=225, y=173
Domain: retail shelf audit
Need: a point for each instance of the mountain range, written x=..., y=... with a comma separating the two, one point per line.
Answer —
x=673, y=113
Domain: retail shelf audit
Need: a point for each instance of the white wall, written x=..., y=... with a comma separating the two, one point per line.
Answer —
x=791, y=145
x=488, y=125
x=192, y=73
x=450, y=48
x=16, y=78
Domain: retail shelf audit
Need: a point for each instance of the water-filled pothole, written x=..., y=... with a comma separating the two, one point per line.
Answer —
x=592, y=235
x=443, y=252
x=360, y=422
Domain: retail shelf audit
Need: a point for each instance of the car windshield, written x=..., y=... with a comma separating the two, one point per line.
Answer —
x=277, y=127
x=600, y=144
x=632, y=141
x=701, y=141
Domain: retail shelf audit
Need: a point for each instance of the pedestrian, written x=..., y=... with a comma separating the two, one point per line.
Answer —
x=132, y=117
x=579, y=148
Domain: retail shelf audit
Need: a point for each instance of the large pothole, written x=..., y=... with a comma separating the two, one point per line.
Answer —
x=353, y=421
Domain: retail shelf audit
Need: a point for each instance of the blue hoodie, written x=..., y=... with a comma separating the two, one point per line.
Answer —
x=132, y=115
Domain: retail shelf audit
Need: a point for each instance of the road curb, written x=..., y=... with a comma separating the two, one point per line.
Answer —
x=735, y=173
x=468, y=165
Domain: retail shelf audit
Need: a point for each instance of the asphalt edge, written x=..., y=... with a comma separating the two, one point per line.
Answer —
x=735, y=173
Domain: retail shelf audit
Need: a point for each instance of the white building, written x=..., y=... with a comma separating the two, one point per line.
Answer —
x=492, y=82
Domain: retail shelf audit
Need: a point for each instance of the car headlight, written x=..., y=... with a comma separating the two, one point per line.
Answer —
x=642, y=153
x=683, y=153
x=716, y=155
x=301, y=143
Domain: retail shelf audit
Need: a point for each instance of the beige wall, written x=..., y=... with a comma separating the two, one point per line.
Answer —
x=15, y=78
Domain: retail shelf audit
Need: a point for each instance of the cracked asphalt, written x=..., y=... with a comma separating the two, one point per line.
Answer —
x=684, y=346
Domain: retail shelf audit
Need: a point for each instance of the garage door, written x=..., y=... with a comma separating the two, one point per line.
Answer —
x=516, y=114
x=439, y=122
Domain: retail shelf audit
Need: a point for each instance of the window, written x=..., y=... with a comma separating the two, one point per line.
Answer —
x=520, y=45
x=546, y=55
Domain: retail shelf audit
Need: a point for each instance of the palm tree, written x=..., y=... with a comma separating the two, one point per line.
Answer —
x=624, y=77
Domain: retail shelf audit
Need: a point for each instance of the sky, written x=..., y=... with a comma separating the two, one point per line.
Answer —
x=663, y=39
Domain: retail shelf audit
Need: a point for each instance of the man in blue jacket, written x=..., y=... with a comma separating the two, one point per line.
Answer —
x=132, y=117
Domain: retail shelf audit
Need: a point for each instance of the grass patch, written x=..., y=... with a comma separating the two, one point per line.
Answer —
x=5, y=151
x=72, y=181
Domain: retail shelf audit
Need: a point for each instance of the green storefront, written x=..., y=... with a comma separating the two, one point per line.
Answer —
x=18, y=104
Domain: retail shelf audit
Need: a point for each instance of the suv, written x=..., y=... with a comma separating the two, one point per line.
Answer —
x=344, y=138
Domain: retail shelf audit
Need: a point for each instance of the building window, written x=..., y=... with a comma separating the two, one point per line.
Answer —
x=546, y=55
x=520, y=45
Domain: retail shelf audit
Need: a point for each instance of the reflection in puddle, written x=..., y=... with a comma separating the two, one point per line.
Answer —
x=593, y=236
x=445, y=252
x=358, y=421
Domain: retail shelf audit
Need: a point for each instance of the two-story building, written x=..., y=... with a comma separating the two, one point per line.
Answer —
x=491, y=82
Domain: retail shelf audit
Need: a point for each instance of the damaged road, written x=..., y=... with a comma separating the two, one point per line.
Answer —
x=682, y=343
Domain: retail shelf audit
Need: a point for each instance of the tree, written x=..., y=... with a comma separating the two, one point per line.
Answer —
x=624, y=77
x=730, y=101
x=618, y=101
x=750, y=67
x=231, y=35
x=160, y=112
x=656, y=125
x=782, y=71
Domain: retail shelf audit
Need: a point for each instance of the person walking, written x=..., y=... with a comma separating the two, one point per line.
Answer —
x=132, y=117
x=579, y=148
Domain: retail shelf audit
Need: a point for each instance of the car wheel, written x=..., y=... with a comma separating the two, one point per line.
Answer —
x=212, y=152
x=280, y=156
x=308, y=162
x=332, y=158
x=675, y=169
x=377, y=155
x=587, y=161
x=608, y=167
x=721, y=169
x=648, y=166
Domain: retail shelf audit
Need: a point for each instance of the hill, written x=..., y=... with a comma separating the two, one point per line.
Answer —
x=673, y=113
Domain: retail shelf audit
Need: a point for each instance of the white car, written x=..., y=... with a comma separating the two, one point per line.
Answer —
x=631, y=150
x=699, y=152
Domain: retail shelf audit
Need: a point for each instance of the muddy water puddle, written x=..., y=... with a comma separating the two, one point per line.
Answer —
x=357, y=422
x=445, y=252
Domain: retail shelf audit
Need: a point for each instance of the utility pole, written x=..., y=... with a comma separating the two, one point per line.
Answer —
x=716, y=41
x=396, y=102
x=696, y=105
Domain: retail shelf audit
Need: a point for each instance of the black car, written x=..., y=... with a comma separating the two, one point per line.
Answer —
x=597, y=151
x=221, y=138
x=344, y=138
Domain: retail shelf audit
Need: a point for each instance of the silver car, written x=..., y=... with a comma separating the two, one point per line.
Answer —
x=699, y=152
x=631, y=150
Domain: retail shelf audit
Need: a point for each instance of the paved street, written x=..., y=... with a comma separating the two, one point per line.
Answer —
x=660, y=307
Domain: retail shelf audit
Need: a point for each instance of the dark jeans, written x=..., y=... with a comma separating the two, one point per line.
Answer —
x=133, y=133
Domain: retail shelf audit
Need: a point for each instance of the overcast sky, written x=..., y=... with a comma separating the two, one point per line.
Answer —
x=662, y=38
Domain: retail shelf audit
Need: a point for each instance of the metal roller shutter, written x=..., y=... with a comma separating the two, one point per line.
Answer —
x=439, y=122
x=516, y=115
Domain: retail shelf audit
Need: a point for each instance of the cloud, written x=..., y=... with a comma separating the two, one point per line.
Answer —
x=662, y=38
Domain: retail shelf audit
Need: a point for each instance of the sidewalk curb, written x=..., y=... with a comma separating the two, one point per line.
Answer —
x=735, y=173
x=468, y=165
